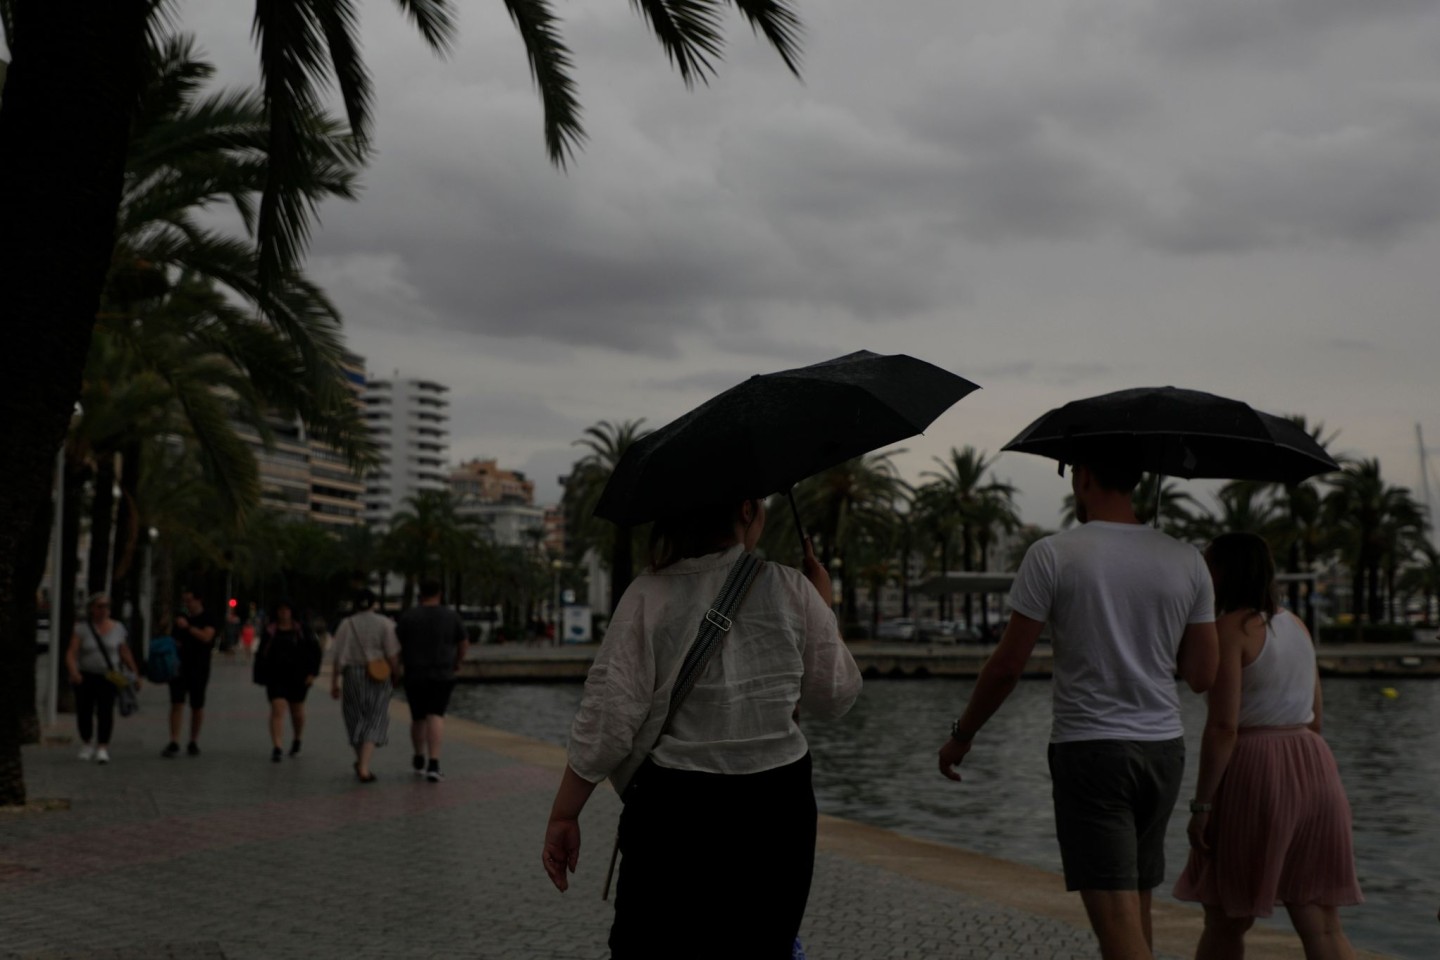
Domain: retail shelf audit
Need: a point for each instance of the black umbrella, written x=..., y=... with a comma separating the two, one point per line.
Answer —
x=767, y=433
x=1182, y=433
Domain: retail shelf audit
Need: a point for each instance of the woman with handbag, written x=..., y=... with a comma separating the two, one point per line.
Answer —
x=709, y=656
x=289, y=663
x=366, y=654
x=96, y=645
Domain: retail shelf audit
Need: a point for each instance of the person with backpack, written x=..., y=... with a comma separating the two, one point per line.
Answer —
x=288, y=663
x=95, y=646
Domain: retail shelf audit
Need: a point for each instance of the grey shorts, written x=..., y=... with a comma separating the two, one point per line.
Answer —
x=1113, y=800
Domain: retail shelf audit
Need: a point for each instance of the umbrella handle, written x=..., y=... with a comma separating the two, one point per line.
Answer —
x=795, y=512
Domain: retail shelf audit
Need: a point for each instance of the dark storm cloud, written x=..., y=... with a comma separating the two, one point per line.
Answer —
x=1369, y=182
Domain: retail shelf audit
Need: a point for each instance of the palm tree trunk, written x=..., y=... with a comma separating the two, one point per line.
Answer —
x=945, y=600
x=32, y=569
x=969, y=547
x=73, y=491
x=64, y=126
x=126, y=587
x=102, y=518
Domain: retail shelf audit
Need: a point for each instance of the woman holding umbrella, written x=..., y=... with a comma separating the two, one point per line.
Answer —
x=1270, y=820
x=727, y=776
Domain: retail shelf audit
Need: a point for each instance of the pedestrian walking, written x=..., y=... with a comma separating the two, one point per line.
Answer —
x=96, y=645
x=194, y=629
x=723, y=774
x=365, y=659
x=289, y=662
x=1270, y=820
x=1128, y=606
x=432, y=644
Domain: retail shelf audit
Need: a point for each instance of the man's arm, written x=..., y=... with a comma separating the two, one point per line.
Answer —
x=1199, y=656
x=997, y=679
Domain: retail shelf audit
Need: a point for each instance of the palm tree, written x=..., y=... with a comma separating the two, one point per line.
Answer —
x=430, y=537
x=71, y=91
x=606, y=443
x=1243, y=506
x=1372, y=520
x=844, y=506
x=961, y=496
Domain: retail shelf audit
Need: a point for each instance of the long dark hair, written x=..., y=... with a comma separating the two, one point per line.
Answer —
x=694, y=534
x=1244, y=573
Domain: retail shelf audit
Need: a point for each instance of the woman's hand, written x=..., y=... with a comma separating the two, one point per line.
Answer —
x=75, y=677
x=816, y=573
x=1197, y=829
x=562, y=851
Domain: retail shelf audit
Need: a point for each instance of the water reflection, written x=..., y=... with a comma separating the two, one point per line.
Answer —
x=877, y=765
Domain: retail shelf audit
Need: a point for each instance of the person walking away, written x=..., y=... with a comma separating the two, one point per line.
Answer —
x=432, y=644
x=1270, y=820
x=728, y=780
x=194, y=629
x=362, y=641
x=95, y=646
x=290, y=657
x=1128, y=606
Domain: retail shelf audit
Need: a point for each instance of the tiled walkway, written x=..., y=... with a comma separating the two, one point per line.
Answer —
x=228, y=855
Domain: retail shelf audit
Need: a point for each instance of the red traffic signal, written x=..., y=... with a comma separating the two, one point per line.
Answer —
x=234, y=603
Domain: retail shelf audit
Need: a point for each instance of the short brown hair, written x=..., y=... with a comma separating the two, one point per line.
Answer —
x=694, y=534
x=1244, y=573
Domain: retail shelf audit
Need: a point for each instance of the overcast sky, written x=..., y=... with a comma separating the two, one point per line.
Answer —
x=1055, y=199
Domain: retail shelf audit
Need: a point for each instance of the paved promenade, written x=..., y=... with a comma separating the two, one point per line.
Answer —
x=228, y=855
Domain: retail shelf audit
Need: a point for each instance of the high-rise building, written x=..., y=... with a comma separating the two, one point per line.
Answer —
x=407, y=419
x=302, y=478
x=336, y=490
x=503, y=500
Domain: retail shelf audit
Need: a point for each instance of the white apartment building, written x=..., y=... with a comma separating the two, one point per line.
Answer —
x=408, y=419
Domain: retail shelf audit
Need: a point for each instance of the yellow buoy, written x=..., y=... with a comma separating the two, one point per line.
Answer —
x=1390, y=693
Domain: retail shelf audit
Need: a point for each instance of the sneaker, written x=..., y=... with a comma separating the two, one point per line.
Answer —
x=172, y=749
x=295, y=748
x=87, y=752
x=193, y=748
x=277, y=755
x=417, y=763
x=433, y=774
x=102, y=755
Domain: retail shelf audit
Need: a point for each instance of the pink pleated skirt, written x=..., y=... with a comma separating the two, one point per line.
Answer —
x=1280, y=829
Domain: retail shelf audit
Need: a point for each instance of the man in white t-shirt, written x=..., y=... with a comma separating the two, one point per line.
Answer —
x=1128, y=606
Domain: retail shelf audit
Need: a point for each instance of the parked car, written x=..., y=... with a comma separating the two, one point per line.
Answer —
x=901, y=628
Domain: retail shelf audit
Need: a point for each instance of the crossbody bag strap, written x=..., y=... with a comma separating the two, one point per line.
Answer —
x=713, y=627
x=109, y=664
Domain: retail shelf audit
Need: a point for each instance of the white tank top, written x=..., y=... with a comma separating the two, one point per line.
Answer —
x=1278, y=688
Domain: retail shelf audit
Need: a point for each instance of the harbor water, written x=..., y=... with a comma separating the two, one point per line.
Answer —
x=877, y=766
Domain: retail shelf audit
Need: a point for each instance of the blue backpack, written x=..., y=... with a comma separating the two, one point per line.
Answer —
x=162, y=664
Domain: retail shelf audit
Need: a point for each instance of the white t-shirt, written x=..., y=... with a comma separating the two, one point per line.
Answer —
x=783, y=651
x=1118, y=597
x=91, y=659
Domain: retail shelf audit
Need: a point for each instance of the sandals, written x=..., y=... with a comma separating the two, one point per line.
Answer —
x=365, y=778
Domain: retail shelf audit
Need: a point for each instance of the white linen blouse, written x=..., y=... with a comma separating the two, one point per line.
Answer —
x=362, y=637
x=783, y=651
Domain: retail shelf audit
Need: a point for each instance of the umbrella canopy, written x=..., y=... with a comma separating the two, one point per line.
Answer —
x=1182, y=433
x=767, y=433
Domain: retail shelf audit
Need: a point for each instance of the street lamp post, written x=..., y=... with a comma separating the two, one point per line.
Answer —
x=556, y=566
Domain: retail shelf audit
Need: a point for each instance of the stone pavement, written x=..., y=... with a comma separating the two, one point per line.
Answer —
x=229, y=856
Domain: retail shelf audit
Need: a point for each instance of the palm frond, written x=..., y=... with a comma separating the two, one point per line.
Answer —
x=340, y=23
x=550, y=66
x=7, y=24
x=434, y=19
x=688, y=31
x=779, y=23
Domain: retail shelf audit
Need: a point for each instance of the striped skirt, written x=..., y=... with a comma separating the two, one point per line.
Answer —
x=366, y=705
x=1280, y=829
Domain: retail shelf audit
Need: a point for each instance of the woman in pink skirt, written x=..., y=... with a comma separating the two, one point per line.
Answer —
x=1270, y=820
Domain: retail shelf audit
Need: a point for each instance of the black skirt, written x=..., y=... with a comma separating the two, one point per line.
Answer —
x=714, y=866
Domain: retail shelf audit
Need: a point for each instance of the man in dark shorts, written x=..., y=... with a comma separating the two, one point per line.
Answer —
x=1128, y=606
x=432, y=644
x=195, y=633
